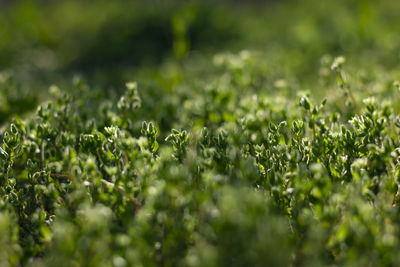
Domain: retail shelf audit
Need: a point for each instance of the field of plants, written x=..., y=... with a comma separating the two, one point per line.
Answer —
x=200, y=133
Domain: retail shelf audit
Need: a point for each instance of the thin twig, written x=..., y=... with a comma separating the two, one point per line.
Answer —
x=59, y=176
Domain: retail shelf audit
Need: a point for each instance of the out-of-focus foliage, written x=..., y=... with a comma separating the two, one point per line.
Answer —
x=282, y=154
x=104, y=38
x=14, y=99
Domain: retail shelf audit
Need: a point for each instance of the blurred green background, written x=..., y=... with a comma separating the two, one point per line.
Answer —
x=162, y=44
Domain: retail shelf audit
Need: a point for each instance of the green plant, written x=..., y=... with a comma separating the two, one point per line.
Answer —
x=228, y=163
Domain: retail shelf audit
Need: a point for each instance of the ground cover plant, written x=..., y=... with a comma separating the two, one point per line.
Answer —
x=246, y=180
x=240, y=158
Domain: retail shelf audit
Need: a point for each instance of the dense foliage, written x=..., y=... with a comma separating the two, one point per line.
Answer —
x=287, y=156
x=247, y=179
